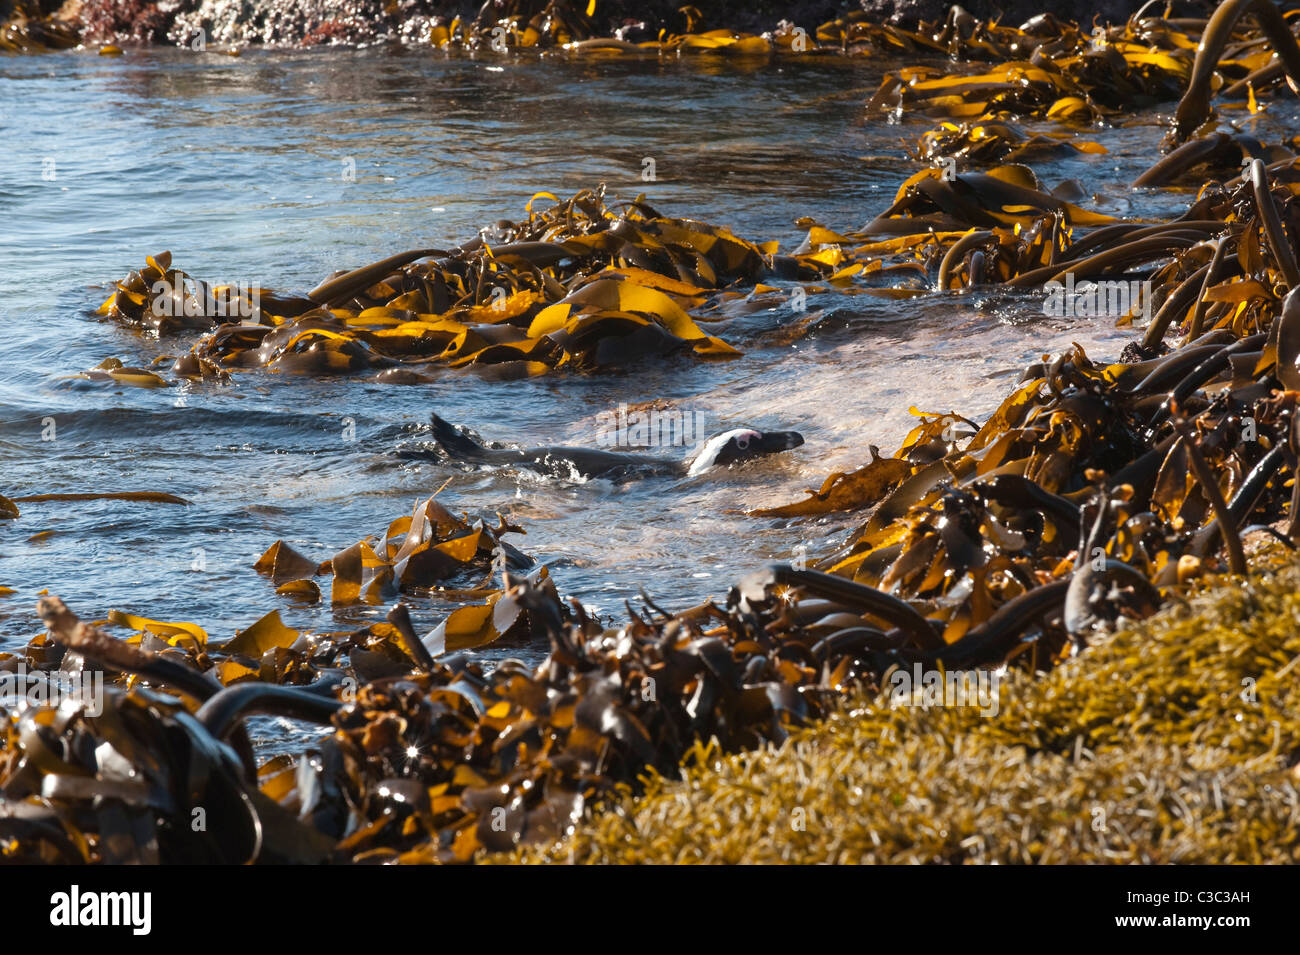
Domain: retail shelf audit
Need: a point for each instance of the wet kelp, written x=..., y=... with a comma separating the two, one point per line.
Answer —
x=1093, y=495
x=24, y=29
x=583, y=286
x=578, y=285
x=427, y=549
x=1123, y=478
x=430, y=758
x=432, y=763
x=1280, y=55
x=426, y=554
x=1172, y=741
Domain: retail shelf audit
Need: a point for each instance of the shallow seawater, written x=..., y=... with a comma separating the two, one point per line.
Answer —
x=237, y=167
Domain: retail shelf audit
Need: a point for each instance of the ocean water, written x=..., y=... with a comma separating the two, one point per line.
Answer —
x=237, y=167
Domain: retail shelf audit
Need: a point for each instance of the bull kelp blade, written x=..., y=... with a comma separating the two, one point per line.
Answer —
x=266, y=634
x=152, y=497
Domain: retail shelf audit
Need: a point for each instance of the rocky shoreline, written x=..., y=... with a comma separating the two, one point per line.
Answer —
x=309, y=23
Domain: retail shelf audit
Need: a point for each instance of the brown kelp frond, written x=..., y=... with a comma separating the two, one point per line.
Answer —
x=431, y=553
x=1194, y=108
x=103, y=774
x=417, y=554
x=434, y=759
x=26, y=30
x=993, y=142
x=1107, y=484
x=580, y=284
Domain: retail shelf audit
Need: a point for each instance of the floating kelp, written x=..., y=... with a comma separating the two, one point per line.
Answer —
x=9, y=506
x=163, y=299
x=987, y=143
x=155, y=497
x=579, y=285
x=1005, y=195
x=112, y=370
x=1219, y=154
x=421, y=555
x=417, y=554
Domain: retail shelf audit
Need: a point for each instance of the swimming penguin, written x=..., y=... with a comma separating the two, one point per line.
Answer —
x=727, y=447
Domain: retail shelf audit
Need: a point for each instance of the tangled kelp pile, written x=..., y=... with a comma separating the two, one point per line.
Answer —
x=415, y=553
x=1144, y=467
x=1120, y=479
x=431, y=758
x=1173, y=741
x=1093, y=494
x=432, y=762
x=578, y=285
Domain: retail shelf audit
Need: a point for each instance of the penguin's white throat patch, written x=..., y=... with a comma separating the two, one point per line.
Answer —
x=708, y=455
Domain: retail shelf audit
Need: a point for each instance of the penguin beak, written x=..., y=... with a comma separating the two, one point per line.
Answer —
x=773, y=441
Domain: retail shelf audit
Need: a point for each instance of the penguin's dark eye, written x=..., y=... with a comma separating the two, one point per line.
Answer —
x=742, y=441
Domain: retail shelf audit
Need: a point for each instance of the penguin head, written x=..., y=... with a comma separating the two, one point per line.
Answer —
x=741, y=444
